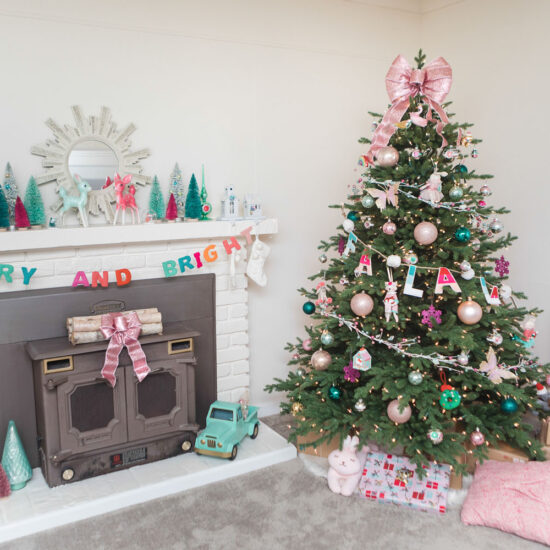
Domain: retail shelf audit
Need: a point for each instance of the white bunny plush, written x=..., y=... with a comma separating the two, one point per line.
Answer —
x=345, y=467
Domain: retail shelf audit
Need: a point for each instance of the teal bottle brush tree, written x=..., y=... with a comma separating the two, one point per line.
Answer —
x=193, y=204
x=416, y=339
x=4, y=212
x=14, y=459
x=156, y=200
x=34, y=204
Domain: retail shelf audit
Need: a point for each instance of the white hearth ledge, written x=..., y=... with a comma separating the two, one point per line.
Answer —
x=105, y=235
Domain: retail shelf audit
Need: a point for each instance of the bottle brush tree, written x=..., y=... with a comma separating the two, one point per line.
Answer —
x=171, y=209
x=156, y=200
x=34, y=204
x=4, y=211
x=21, y=216
x=193, y=204
x=417, y=339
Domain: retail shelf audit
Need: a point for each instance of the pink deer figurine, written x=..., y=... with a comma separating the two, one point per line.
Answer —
x=125, y=200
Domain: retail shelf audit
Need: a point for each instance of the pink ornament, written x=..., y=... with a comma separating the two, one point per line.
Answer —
x=469, y=312
x=306, y=344
x=397, y=416
x=389, y=228
x=477, y=438
x=425, y=233
x=483, y=204
x=361, y=304
x=321, y=360
x=295, y=357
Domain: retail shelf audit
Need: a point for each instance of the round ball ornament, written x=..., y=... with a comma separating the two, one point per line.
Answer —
x=411, y=258
x=465, y=266
x=300, y=371
x=360, y=405
x=461, y=169
x=306, y=344
x=334, y=393
x=361, y=304
x=393, y=261
x=476, y=243
x=477, y=438
x=435, y=436
x=296, y=408
x=415, y=378
x=308, y=308
x=468, y=275
x=323, y=258
x=397, y=416
x=353, y=216
x=496, y=226
x=367, y=201
x=456, y=193
x=425, y=233
x=367, y=224
x=462, y=358
x=509, y=405
x=321, y=360
x=387, y=156
x=462, y=234
x=450, y=398
x=469, y=312
x=389, y=228
x=485, y=190
x=327, y=338
x=348, y=225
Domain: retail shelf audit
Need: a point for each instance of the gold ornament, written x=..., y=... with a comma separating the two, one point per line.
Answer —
x=296, y=408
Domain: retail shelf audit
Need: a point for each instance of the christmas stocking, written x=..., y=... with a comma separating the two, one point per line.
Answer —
x=259, y=251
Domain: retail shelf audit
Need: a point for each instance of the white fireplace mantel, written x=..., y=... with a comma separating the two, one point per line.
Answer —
x=44, y=239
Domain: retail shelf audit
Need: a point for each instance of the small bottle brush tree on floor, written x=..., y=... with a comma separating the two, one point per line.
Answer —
x=193, y=204
x=156, y=200
x=4, y=211
x=416, y=341
x=21, y=216
x=34, y=204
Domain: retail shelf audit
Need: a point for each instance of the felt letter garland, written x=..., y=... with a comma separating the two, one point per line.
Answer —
x=445, y=278
x=409, y=284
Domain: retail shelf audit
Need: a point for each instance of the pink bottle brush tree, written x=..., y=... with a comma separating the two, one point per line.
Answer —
x=171, y=209
x=21, y=216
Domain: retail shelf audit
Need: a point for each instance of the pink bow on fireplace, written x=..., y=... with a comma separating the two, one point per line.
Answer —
x=123, y=330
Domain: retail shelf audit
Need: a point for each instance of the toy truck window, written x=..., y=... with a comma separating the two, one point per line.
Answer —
x=239, y=414
x=222, y=414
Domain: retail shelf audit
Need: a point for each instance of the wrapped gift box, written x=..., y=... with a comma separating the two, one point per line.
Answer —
x=392, y=478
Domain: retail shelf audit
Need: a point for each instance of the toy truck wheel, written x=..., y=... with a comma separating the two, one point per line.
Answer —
x=255, y=431
x=233, y=453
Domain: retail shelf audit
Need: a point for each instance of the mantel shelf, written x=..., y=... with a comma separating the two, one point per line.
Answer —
x=101, y=235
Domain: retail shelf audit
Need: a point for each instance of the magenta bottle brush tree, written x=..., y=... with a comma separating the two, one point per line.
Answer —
x=21, y=216
x=171, y=208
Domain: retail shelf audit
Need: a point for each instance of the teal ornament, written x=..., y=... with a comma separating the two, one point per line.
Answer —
x=309, y=308
x=450, y=398
x=367, y=201
x=353, y=216
x=435, y=436
x=415, y=378
x=327, y=338
x=14, y=460
x=461, y=169
x=462, y=234
x=334, y=393
x=509, y=405
x=456, y=193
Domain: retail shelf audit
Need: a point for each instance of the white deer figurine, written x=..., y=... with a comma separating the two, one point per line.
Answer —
x=79, y=202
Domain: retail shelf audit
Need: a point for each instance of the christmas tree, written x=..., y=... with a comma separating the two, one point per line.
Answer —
x=4, y=211
x=156, y=200
x=178, y=189
x=34, y=204
x=10, y=190
x=21, y=216
x=417, y=341
x=193, y=204
x=171, y=209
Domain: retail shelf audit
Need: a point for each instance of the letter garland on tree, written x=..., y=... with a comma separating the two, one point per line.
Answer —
x=21, y=216
x=171, y=209
x=416, y=213
x=4, y=212
x=10, y=190
x=156, y=200
x=178, y=189
x=34, y=204
x=193, y=204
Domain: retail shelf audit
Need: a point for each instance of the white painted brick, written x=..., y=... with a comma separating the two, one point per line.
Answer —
x=222, y=342
x=145, y=248
x=10, y=257
x=235, y=325
x=224, y=396
x=219, y=267
x=238, y=393
x=239, y=339
x=11, y=287
x=233, y=353
x=63, y=267
x=118, y=262
x=155, y=259
x=51, y=254
x=222, y=313
x=102, y=250
x=240, y=367
x=233, y=382
x=222, y=283
x=43, y=269
x=238, y=310
x=224, y=370
x=147, y=273
x=231, y=297
x=51, y=282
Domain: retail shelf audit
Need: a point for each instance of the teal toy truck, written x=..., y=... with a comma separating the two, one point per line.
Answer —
x=226, y=425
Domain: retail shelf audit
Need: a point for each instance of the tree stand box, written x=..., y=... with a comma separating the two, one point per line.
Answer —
x=322, y=450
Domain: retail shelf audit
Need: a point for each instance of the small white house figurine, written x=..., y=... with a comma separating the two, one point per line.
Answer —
x=252, y=206
x=230, y=205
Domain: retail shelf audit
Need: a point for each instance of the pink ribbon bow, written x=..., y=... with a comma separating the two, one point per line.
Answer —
x=123, y=330
x=390, y=195
x=433, y=82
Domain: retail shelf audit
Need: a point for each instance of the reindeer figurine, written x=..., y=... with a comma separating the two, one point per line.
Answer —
x=79, y=202
x=125, y=200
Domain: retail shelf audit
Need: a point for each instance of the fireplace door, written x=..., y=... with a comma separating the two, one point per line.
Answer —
x=91, y=413
x=160, y=403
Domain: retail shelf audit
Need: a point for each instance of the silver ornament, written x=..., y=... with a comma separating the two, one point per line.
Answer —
x=367, y=201
x=368, y=223
x=485, y=190
x=323, y=258
x=415, y=378
x=344, y=280
x=387, y=156
x=348, y=225
x=456, y=193
x=462, y=358
x=465, y=266
x=327, y=338
x=496, y=226
x=435, y=436
x=300, y=371
x=475, y=244
x=360, y=405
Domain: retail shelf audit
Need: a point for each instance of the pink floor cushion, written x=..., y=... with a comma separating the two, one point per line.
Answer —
x=513, y=497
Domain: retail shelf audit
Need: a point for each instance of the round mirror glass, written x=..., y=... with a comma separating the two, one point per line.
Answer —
x=93, y=161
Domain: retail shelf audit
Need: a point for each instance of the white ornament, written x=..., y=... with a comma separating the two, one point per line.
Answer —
x=505, y=292
x=259, y=251
x=470, y=274
x=393, y=261
x=462, y=358
x=348, y=225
